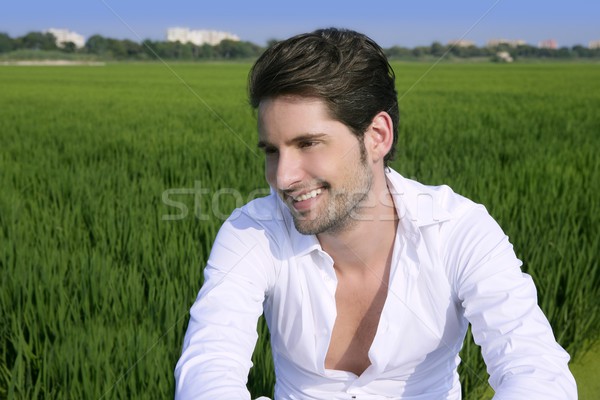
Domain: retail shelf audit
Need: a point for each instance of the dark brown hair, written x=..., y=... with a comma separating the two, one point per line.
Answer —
x=346, y=69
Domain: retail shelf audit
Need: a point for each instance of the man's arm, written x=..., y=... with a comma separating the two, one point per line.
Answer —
x=221, y=334
x=522, y=356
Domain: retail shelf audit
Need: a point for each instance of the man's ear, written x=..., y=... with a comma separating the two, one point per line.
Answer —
x=380, y=136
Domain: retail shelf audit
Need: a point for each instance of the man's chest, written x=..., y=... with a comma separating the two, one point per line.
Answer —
x=316, y=319
x=359, y=303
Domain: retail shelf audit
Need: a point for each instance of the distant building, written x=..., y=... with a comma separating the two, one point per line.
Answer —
x=461, y=43
x=548, y=44
x=199, y=37
x=504, y=56
x=64, y=36
x=508, y=42
x=594, y=44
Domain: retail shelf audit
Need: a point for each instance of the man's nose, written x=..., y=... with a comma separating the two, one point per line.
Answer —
x=289, y=170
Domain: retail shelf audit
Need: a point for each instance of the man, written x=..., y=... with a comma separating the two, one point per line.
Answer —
x=367, y=280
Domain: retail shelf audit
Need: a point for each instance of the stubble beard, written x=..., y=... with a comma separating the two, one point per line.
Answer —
x=343, y=205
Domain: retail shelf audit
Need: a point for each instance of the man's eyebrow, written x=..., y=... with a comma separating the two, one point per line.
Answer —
x=307, y=136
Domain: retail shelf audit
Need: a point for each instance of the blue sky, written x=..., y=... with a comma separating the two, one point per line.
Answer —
x=389, y=22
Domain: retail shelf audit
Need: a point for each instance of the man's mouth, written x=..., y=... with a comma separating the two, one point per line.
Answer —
x=308, y=195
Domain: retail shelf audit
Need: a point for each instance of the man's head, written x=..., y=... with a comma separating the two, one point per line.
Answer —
x=345, y=69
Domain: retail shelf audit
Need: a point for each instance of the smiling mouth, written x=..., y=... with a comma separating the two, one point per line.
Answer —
x=308, y=195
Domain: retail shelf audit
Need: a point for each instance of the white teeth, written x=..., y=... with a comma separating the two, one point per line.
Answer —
x=308, y=195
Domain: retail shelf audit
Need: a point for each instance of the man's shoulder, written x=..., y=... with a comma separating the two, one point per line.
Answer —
x=264, y=214
x=267, y=210
x=428, y=203
x=268, y=223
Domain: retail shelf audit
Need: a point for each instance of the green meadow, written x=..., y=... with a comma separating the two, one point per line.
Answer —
x=114, y=181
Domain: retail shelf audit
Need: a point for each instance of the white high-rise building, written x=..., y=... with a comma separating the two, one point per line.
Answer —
x=64, y=36
x=199, y=37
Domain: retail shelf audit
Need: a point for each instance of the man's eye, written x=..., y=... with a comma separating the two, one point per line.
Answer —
x=308, y=143
x=270, y=150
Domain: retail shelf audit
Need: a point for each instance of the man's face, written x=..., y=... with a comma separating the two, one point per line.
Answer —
x=315, y=163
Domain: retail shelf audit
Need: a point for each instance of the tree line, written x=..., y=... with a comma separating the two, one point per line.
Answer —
x=437, y=49
x=125, y=49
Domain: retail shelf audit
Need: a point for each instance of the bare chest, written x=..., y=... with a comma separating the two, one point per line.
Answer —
x=359, y=304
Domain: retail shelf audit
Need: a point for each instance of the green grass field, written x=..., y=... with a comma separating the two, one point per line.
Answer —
x=98, y=270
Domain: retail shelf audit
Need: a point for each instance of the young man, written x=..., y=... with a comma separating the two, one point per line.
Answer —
x=367, y=280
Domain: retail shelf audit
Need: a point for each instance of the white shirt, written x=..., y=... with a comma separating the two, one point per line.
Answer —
x=451, y=265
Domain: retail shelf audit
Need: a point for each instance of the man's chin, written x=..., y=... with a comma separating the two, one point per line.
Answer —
x=304, y=224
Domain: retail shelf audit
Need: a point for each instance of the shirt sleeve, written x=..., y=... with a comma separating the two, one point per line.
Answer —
x=221, y=333
x=523, y=359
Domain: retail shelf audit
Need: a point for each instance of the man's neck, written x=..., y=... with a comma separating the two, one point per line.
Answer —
x=368, y=242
